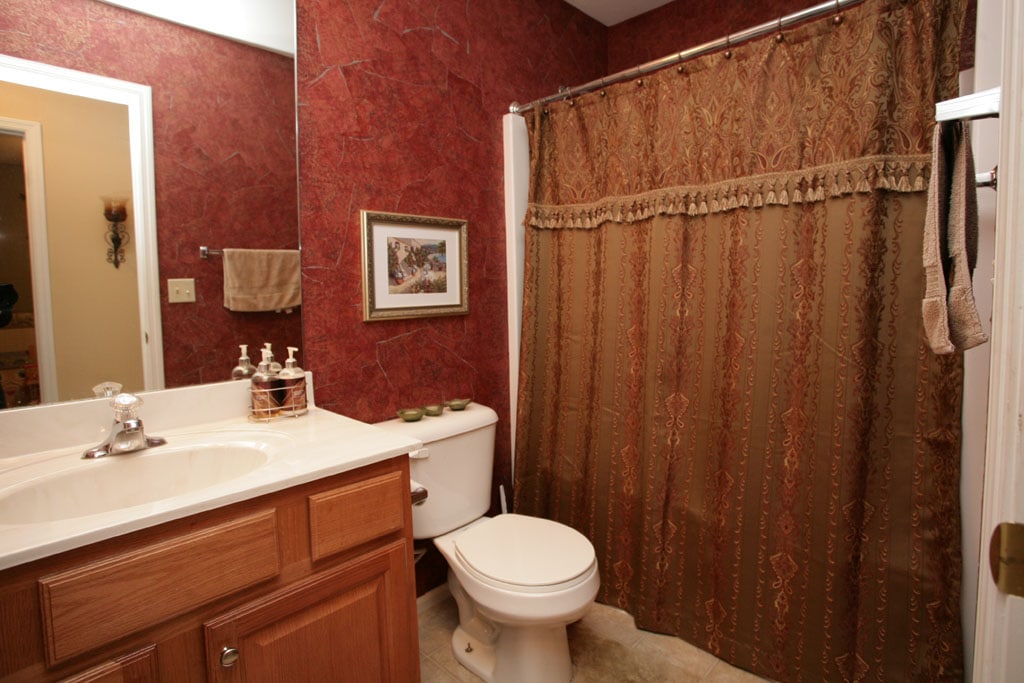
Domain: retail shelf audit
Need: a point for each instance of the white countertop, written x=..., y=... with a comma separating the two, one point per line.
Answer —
x=303, y=449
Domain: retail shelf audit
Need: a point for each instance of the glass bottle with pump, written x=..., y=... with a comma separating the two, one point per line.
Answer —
x=275, y=367
x=264, y=402
x=293, y=379
x=244, y=369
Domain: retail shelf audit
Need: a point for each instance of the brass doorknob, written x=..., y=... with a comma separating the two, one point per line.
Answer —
x=1006, y=558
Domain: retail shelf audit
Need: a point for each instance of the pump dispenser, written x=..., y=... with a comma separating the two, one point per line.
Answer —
x=264, y=403
x=293, y=378
x=275, y=367
x=244, y=369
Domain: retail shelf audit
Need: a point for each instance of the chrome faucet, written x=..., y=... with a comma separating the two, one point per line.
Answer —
x=126, y=434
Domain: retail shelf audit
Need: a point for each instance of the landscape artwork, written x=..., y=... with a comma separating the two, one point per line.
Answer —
x=413, y=266
x=417, y=266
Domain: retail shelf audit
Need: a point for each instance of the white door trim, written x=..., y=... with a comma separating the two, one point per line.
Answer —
x=31, y=136
x=1000, y=618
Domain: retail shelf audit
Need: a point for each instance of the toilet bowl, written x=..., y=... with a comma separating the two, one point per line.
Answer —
x=518, y=581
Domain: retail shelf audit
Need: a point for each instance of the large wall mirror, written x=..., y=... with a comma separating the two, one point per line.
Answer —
x=106, y=298
x=202, y=148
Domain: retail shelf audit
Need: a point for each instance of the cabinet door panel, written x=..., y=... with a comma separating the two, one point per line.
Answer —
x=338, y=640
x=349, y=623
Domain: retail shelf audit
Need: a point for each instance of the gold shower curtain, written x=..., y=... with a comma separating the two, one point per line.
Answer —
x=724, y=382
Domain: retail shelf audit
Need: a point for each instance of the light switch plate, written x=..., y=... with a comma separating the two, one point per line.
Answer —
x=181, y=290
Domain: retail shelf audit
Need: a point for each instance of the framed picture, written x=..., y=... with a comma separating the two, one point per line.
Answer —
x=413, y=266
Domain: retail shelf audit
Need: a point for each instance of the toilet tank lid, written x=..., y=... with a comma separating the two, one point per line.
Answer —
x=448, y=424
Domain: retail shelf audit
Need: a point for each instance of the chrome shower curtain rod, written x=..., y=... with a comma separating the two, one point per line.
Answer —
x=834, y=6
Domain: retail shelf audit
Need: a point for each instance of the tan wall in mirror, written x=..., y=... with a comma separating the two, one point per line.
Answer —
x=95, y=306
x=14, y=257
x=14, y=268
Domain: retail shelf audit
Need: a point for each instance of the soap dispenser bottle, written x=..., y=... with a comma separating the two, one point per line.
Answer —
x=244, y=369
x=293, y=379
x=264, y=402
x=275, y=367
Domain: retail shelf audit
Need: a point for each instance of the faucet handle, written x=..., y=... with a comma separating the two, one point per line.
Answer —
x=126, y=407
x=107, y=389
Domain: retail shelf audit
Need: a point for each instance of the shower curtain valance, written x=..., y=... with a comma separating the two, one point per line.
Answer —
x=897, y=174
x=812, y=116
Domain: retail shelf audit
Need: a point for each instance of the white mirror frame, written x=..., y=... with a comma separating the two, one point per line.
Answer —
x=139, y=101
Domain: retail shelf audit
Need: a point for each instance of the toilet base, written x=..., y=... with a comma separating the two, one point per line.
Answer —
x=535, y=654
x=474, y=654
x=503, y=653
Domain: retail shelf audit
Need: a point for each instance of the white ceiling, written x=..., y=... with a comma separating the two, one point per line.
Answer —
x=611, y=12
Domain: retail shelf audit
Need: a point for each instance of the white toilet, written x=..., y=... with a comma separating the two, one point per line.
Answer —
x=518, y=580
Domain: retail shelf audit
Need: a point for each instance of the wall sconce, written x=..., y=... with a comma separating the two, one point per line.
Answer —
x=115, y=210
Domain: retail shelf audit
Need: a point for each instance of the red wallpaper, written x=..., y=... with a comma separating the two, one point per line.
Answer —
x=688, y=23
x=400, y=107
x=224, y=142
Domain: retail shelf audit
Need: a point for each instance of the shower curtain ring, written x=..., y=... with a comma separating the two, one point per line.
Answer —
x=838, y=18
x=779, y=37
x=728, y=50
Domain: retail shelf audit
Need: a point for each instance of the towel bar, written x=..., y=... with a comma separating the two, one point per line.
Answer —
x=206, y=252
x=987, y=179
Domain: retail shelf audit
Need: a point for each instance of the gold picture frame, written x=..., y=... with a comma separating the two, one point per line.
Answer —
x=413, y=266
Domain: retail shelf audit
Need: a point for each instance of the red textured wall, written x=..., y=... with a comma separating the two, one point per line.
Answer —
x=400, y=107
x=224, y=143
x=684, y=24
x=688, y=23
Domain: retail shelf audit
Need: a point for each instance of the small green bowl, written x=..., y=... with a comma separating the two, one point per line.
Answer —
x=433, y=410
x=458, y=403
x=410, y=414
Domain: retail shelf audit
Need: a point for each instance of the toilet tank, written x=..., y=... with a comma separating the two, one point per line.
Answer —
x=455, y=466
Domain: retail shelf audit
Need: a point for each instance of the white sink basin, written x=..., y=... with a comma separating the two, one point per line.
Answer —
x=52, y=501
x=69, y=487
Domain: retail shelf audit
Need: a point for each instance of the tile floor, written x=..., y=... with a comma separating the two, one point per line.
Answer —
x=606, y=648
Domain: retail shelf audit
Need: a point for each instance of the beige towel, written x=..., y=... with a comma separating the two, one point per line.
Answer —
x=262, y=279
x=951, y=243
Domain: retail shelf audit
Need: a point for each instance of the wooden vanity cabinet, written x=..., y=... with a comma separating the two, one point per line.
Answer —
x=311, y=583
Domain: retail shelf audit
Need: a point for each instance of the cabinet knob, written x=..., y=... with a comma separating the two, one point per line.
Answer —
x=228, y=657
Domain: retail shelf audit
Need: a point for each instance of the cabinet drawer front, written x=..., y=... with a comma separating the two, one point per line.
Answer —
x=96, y=603
x=350, y=515
x=135, y=667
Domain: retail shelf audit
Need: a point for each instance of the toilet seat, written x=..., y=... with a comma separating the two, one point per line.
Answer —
x=525, y=554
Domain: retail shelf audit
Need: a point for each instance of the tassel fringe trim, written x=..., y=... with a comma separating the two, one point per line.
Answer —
x=896, y=174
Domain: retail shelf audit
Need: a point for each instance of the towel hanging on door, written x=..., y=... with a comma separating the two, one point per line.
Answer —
x=951, y=243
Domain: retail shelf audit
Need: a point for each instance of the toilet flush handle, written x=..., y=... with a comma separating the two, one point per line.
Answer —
x=418, y=495
x=420, y=454
x=418, y=492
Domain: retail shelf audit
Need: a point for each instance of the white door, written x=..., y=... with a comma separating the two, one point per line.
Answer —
x=999, y=654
